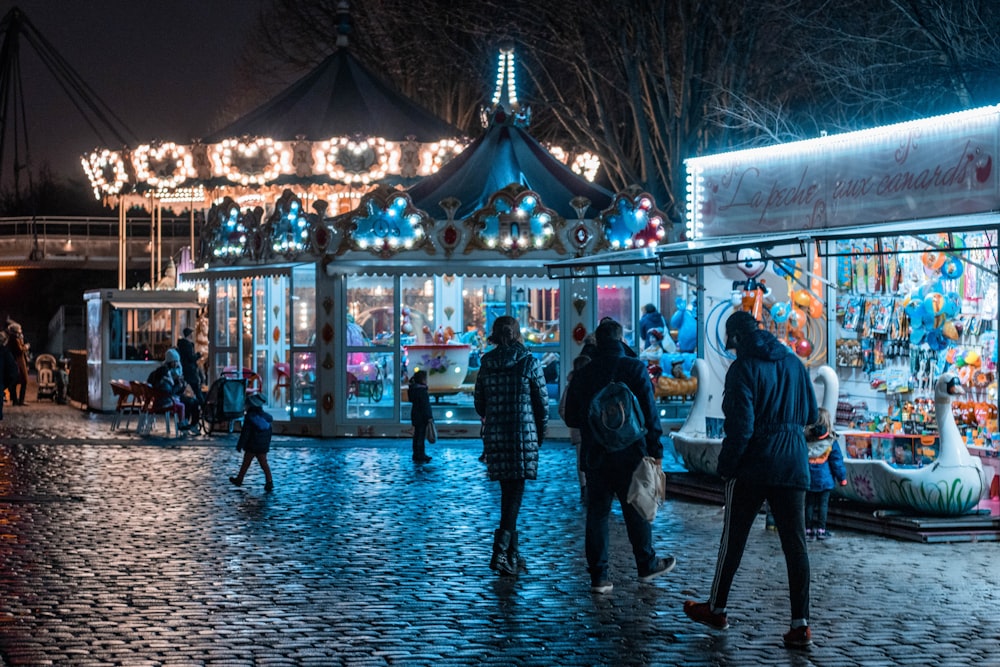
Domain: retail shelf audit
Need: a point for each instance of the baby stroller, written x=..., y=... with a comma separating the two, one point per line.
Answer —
x=45, y=367
x=224, y=402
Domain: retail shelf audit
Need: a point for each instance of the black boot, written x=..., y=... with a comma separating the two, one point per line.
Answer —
x=517, y=563
x=500, y=562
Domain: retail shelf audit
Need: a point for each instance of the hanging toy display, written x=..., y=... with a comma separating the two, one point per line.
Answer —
x=749, y=294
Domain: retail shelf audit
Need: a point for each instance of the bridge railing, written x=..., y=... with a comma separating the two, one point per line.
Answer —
x=69, y=227
x=86, y=241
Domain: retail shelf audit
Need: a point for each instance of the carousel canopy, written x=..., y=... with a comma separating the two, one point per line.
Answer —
x=506, y=154
x=340, y=97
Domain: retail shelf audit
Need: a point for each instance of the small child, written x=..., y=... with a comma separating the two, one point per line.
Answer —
x=255, y=441
x=826, y=464
x=574, y=433
x=420, y=415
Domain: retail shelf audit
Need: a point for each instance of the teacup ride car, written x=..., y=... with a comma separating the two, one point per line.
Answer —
x=446, y=365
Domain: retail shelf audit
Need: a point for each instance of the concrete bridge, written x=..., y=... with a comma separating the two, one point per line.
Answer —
x=88, y=242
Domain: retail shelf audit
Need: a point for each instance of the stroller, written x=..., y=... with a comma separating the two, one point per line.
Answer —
x=224, y=403
x=45, y=368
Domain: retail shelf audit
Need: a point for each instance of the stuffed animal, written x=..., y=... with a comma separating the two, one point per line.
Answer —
x=685, y=322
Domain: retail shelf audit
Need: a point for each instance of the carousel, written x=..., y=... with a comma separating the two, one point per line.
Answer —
x=340, y=253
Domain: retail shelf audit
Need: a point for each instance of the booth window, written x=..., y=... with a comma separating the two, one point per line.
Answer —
x=138, y=334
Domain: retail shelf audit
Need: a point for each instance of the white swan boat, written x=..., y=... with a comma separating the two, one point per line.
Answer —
x=692, y=442
x=951, y=485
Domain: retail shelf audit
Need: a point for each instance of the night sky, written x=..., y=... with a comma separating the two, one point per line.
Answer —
x=163, y=66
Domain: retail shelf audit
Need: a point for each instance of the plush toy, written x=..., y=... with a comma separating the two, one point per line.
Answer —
x=685, y=322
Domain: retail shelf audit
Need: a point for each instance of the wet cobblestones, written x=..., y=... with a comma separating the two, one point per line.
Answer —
x=120, y=550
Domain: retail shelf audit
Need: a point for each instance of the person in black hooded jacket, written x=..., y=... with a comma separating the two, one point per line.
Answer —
x=610, y=473
x=511, y=398
x=768, y=401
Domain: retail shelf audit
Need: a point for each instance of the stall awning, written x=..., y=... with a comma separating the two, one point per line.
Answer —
x=156, y=305
x=639, y=262
x=680, y=257
x=687, y=255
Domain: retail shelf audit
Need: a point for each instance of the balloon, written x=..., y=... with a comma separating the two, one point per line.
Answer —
x=972, y=358
x=917, y=335
x=787, y=268
x=780, y=312
x=796, y=318
x=950, y=331
x=952, y=268
x=936, y=340
x=933, y=303
x=914, y=307
x=932, y=259
x=816, y=309
x=803, y=347
x=952, y=304
x=802, y=297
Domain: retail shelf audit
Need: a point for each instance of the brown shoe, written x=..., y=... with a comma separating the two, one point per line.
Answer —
x=700, y=612
x=800, y=637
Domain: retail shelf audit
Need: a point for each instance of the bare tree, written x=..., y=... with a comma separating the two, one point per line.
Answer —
x=646, y=83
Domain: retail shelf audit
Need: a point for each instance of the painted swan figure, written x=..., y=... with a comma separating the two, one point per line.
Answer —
x=949, y=486
x=700, y=453
x=952, y=485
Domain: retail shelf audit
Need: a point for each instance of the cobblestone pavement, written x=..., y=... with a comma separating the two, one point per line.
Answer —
x=122, y=550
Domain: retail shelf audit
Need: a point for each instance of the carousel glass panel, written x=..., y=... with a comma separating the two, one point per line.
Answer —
x=303, y=384
x=304, y=305
x=370, y=330
x=370, y=304
x=535, y=303
x=616, y=299
x=296, y=382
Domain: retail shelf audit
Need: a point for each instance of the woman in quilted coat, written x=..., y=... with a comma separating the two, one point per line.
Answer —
x=512, y=401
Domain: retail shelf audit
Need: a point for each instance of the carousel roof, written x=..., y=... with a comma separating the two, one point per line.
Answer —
x=340, y=97
x=503, y=155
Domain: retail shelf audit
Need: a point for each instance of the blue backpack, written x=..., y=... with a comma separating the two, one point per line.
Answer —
x=615, y=417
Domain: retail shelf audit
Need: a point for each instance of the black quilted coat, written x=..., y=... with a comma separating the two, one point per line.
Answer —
x=511, y=398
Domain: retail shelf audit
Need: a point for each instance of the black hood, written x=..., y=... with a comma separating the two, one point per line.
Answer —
x=763, y=345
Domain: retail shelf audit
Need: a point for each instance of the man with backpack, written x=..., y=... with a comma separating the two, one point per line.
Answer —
x=616, y=430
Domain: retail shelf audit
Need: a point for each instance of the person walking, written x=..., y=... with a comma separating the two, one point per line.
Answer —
x=826, y=470
x=189, y=363
x=511, y=399
x=420, y=415
x=8, y=371
x=610, y=473
x=19, y=350
x=767, y=401
x=574, y=433
x=255, y=441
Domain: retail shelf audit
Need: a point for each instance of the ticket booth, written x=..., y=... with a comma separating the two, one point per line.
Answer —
x=128, y=333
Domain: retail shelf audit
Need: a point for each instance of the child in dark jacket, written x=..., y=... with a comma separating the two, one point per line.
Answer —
x=826, y=465
x=255, y=441
x=420, y=415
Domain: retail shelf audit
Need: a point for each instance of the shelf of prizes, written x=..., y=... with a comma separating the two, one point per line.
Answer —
x=908, y=309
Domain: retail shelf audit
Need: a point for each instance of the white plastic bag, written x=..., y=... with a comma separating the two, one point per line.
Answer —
x=648, y=488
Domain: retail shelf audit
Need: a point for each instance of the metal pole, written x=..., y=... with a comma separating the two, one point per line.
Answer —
x=122, y=244
x=191, y=230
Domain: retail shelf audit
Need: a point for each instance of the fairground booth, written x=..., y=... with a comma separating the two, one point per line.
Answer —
x=873, y=254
